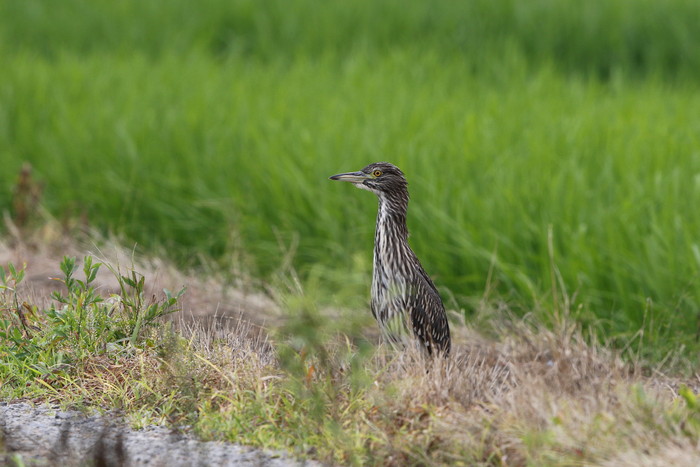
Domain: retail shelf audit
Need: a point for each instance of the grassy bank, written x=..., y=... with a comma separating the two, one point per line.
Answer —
x=527, y=395
x=549, y=143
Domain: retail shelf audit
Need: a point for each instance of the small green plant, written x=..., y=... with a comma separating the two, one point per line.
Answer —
x=15, y=328
x=138, y=312
x=82, y=323
x=82, y=319
x=90, y=323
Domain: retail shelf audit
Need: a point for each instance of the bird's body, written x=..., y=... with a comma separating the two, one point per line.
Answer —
x=404, y=301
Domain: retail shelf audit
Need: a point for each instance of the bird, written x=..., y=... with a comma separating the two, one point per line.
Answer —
x=404, y=300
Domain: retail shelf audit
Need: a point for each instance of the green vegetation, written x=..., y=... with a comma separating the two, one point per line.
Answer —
x=38, y=344
x=210, y=130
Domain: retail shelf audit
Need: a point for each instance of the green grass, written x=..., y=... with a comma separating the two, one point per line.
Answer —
x=212, y=131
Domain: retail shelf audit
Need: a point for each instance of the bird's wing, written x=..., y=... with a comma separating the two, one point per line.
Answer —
x=427, y=280
x=428, y=317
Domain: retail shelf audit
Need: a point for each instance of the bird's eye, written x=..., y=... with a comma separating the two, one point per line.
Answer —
x=377, y=173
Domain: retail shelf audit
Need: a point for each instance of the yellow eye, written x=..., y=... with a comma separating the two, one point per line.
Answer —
x=377, y=173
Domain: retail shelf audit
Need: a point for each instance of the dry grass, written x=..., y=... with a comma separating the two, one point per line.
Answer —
x=535, y=397
x=532, y=395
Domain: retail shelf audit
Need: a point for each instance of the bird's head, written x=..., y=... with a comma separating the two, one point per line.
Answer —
x=381, y=178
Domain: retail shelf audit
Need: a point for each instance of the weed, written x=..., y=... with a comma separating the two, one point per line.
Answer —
x=40, y=345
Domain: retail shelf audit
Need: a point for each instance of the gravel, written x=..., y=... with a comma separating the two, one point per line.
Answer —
x=45, y=435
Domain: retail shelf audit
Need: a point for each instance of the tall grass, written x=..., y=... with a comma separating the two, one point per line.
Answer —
x=213, y=130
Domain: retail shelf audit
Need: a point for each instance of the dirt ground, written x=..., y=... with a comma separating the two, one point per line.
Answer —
x=204, y=297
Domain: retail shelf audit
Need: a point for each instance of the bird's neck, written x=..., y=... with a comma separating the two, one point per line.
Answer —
x=391, y=220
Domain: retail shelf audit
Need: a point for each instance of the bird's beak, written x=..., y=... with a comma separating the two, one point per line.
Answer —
x=352, y=177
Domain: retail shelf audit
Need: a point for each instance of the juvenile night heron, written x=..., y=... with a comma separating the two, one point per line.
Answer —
x=404, y=299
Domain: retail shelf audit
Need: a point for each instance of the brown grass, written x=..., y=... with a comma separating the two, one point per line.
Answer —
x=535, y=396
x=542, y=397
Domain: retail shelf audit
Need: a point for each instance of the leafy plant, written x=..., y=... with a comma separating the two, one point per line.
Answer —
x=15, y=329
x=82, y=323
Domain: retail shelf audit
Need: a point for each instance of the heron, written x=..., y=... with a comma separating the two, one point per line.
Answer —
x=404, y=300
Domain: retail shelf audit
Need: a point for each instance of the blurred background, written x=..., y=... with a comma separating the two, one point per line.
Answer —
x=552, y=146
